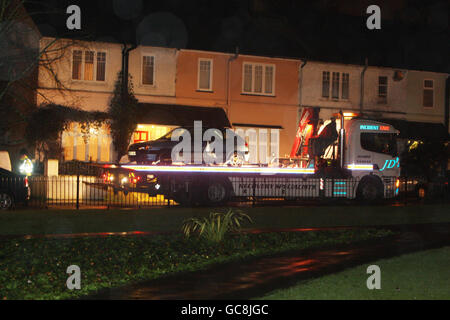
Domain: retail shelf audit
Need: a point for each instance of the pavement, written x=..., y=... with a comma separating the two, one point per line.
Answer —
x=259, y=276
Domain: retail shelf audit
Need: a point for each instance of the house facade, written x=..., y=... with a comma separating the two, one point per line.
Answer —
x=258, y=94
x=384, y=92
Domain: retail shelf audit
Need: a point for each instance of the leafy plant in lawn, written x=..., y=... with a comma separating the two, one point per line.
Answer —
x=216, y=226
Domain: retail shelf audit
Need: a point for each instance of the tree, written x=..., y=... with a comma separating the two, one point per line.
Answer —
x=425, y=158
x=122, y=112
x=19, y=41
x=23, y=55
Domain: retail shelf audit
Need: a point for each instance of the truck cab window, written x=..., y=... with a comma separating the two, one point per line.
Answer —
x=379, y=142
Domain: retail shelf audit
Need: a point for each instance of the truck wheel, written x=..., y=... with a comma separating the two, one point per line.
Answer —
x=6, y=201
x=369, y=190
x=217, y=192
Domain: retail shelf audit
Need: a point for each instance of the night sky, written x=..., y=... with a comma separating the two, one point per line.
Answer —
x=414, y=34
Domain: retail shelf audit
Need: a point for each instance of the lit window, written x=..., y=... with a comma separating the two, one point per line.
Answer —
x=140, y=136
x=85, y=65
x=148, y=69
x=89, y=65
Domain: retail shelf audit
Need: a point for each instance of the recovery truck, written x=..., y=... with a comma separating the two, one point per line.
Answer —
x=350, y=159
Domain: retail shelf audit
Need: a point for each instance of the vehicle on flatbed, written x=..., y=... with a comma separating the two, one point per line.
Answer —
x=159, y=151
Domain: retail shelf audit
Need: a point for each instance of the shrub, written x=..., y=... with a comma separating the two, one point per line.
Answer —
x=216, y=226
x=123, y=113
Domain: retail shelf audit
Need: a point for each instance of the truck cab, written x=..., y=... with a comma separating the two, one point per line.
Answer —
x=371, y=146
x=371, y=155
x=365, y=152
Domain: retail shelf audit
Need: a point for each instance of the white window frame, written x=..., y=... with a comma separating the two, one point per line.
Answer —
x=330, y=85
x=96, y=64
x=83, y=56
x=339, y=86
x=142, y=70
x=263, y=88
x=71, y=64
x=211, y=63
x=380, y=98
x=323, y=82
x=342, y=86
x=423, y=91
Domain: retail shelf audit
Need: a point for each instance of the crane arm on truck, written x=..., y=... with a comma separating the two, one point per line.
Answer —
x=307, y=127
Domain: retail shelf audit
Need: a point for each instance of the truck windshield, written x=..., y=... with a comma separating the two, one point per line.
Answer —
x=379, y=142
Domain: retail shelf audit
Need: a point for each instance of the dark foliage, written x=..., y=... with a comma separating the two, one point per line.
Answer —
x=48, y=122
x=425, y=158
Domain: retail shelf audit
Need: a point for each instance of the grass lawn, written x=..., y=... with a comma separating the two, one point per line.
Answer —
x=423, y=275
x=170, y=219
x=36, y=268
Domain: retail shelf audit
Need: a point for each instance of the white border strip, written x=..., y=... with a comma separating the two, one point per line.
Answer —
x=221, y=169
